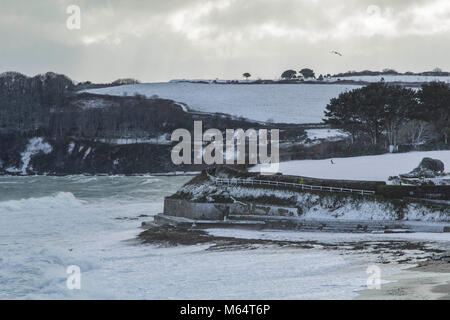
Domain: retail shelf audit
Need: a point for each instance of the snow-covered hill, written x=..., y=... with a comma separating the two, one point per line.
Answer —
x=287, y=103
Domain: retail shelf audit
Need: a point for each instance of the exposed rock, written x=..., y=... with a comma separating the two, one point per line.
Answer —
x=434, y=165
x=428, y=168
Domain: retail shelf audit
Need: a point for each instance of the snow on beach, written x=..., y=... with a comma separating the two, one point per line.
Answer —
x=373, y=168
x=288, y=103
x=329, y=237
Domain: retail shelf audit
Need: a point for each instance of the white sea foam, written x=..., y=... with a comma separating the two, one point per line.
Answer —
x=60, y=200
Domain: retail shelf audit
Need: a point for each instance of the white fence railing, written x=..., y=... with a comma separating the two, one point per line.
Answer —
x=237, y=181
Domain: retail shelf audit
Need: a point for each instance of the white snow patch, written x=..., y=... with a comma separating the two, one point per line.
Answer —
x=185, y=109
x=326, y=237
x=330, y=134
x=163, y=139
x=87, y=152
x=96, y=103
x=70, y=147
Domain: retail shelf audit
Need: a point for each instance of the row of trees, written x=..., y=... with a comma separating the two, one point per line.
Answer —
x=436, y=72
x=309, y=73
x=292, y=74
x=26, y=103
x=117, y=117
x=393, y=114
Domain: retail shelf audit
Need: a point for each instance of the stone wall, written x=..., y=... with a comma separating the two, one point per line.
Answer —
x=217, y=211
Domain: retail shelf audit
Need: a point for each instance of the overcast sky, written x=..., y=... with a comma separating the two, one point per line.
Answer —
x=159, y=40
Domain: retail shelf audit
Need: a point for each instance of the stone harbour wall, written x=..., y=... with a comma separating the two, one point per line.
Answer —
x=218, y=211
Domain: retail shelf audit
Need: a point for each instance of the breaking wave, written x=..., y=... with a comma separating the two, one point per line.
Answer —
x=59, y=200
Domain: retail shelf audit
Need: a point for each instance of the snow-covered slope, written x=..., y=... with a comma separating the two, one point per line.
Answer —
x=289, y=103
x=376, y=168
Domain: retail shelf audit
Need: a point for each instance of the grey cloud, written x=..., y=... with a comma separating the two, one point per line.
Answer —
x=160, y=40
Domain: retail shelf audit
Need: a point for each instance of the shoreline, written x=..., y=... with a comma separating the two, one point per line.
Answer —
x=425, y=274
x=429, y=280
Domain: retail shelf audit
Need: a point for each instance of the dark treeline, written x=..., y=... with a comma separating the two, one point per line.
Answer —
x=92, y=116
x=434, y=73
x=26, y=103
x=384, y=115
x=47, y=105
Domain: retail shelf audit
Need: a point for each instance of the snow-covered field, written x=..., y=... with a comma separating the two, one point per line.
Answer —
x=374, y=168
x=288, y=103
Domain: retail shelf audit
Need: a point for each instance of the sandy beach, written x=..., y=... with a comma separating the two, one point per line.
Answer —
x=427, y=281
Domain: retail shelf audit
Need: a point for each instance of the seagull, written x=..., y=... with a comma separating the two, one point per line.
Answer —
x=337, y=53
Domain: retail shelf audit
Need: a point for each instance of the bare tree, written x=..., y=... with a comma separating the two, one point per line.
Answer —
x=416, y=132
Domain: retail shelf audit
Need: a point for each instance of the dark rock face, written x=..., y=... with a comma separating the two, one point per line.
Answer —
x=72, y=156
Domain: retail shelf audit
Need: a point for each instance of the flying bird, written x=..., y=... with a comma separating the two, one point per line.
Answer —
x=337, y=53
